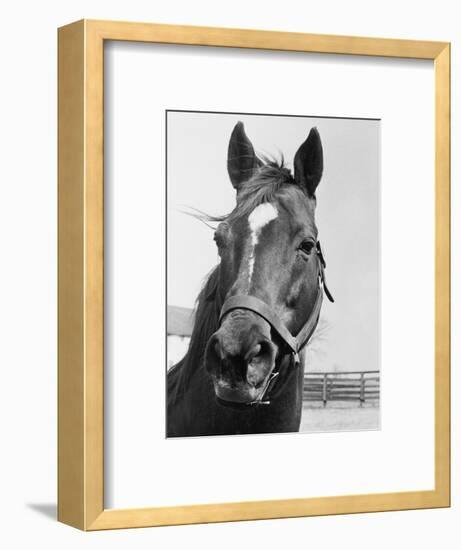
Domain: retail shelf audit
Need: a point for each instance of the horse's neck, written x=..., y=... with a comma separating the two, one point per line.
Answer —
x=193, y=362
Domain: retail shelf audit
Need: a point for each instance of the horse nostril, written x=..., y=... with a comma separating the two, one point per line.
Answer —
x=213, y=354
x=217, y=349
x=254, y=352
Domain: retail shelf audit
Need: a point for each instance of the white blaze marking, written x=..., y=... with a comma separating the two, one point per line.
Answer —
x=259, y=218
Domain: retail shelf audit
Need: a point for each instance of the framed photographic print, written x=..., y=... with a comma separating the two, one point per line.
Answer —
x=254, y=275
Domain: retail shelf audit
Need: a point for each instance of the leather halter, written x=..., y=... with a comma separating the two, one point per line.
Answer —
x=294, y=343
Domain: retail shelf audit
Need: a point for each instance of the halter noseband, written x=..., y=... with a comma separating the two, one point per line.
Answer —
x=294, y=343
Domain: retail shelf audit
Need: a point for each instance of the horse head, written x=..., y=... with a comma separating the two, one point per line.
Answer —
x=271, y=269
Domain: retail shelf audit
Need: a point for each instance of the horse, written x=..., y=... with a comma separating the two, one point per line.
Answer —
x=243, y=372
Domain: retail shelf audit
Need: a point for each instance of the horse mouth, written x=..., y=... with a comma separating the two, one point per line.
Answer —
x=237, y=405
x=242, y=394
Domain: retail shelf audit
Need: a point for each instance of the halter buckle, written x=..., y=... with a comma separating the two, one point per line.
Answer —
x=267, y=389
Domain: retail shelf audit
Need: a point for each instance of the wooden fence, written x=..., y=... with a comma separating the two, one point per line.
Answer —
x=361, y=386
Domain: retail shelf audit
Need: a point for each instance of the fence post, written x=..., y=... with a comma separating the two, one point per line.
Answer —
x=324, y=390
x=362, y=389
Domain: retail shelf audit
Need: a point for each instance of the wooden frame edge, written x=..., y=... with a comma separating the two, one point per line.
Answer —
x=271, y=509
x=71, y=163
x=80, y=267
x=442, y=64
x=267, y=40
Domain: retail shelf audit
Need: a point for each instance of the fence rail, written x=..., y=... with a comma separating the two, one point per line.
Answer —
x=361, y=386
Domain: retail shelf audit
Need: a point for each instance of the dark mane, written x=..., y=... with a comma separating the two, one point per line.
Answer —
x=270, y=178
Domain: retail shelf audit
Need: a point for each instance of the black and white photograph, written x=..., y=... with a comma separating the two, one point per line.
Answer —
x=273, y=273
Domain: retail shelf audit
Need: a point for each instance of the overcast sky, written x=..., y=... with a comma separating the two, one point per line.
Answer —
x=347, y=218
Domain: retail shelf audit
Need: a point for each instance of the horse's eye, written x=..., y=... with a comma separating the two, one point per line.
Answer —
x=307, y=246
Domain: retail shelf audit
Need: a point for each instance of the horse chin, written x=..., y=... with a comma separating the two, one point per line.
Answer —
x=239, y=396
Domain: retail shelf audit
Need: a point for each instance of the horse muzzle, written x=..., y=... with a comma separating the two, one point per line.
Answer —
x=240, y=358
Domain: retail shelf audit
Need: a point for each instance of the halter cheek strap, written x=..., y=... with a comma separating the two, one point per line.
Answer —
x=295, y=343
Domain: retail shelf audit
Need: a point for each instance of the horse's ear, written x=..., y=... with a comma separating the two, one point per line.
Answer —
x=241, y=158
x=308, y=163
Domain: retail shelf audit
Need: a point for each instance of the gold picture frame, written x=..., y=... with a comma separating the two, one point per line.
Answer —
x=81, y=268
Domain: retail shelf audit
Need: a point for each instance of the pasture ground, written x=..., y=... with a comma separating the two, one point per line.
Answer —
x=339, y=416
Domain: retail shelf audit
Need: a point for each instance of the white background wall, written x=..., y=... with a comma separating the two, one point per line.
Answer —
x=28, y=271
